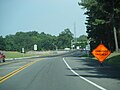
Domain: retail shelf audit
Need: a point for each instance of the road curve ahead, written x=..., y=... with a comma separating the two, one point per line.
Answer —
x=59, y=73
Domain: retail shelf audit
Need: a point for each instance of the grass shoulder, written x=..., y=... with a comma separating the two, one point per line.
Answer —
x=14, y=54
x=113, y=58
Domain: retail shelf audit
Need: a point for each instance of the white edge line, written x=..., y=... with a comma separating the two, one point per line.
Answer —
x=94, y=84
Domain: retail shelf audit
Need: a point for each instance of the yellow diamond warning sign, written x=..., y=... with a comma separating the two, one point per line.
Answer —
x=101, y=52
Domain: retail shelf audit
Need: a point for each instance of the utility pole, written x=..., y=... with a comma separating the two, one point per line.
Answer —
x=116, y=41
x=75, y=33
x=115, y=32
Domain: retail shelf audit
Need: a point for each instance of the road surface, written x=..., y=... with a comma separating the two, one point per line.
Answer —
x=66, y=72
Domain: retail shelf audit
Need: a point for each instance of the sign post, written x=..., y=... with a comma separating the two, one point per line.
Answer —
x=23, y=50
x=35, y=47
x=101, y=53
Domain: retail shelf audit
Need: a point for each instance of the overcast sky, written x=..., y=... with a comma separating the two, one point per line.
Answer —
x=49, y=16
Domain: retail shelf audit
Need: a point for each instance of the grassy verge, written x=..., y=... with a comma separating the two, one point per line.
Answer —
x=17, y=55
x=12, y=54
x=114, y=58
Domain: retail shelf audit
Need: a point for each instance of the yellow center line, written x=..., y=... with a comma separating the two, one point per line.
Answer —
x=4, y=78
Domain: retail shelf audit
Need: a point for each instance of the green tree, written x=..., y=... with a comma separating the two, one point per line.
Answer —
x=46, y=41
x=102, y=16
x=64, y=39
x=2, y=43
x=82, y=41
x=9, y=43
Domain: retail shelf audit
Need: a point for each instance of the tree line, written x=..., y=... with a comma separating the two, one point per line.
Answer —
x=44, y=41
x=103, y=17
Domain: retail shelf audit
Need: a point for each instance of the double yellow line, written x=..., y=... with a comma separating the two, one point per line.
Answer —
x=4, y=78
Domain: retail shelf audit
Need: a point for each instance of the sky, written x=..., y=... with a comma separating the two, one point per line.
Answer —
x=49, y=16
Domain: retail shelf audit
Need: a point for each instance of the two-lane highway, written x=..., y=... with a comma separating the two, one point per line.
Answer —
x=47, y=74
x=58, y=73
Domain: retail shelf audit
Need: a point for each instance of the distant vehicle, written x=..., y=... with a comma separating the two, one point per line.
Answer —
x=2, y=57
x=67, y=49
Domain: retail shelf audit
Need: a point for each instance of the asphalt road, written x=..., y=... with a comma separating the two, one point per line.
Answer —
x=68, y=72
